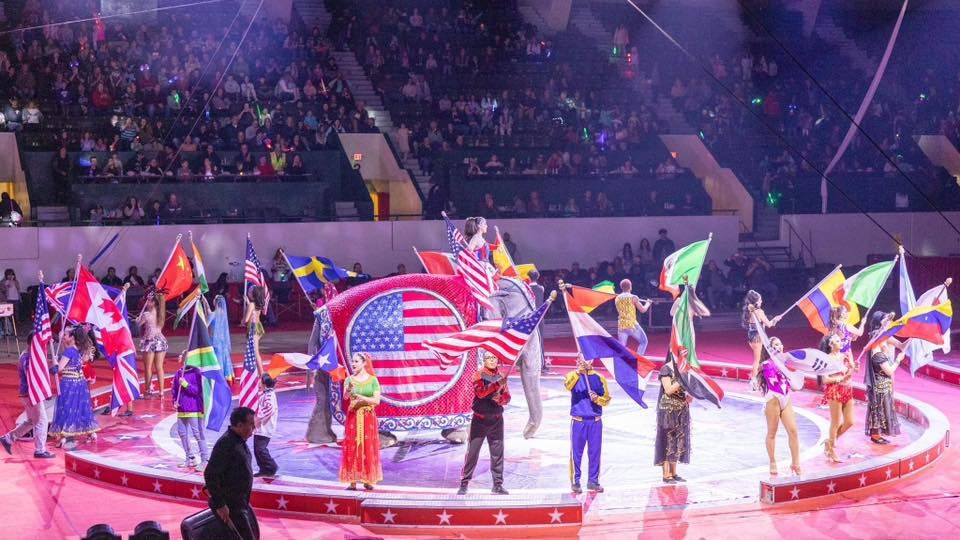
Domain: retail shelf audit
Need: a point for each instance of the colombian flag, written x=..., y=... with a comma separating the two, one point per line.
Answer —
x=817, y=303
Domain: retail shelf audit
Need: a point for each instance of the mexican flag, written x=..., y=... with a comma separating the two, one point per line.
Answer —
x=864, y=286
x=683, y=266
x=683, y=350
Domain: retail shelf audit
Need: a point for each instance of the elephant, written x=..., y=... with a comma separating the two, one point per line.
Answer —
x=319, y=429
x=514, y=299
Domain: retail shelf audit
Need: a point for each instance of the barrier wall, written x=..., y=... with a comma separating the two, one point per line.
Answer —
x=380, y=246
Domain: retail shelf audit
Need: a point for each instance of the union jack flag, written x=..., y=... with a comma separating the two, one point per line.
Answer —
x=38, y=374
x=454, y=237
x=126, y=380
x=478, y=279
x=249, y=381
x=59, y=296
x=502, y=338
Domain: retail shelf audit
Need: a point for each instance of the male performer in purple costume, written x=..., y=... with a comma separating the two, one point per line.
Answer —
x=588, y=394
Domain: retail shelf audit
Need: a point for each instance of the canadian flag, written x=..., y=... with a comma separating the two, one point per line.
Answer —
x=91, y=304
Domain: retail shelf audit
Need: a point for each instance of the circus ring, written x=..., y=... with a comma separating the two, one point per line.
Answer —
x=729, y=464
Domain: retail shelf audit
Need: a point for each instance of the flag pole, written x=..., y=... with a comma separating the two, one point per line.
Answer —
x=297, y=279
x=66, y=313
x=815, y=287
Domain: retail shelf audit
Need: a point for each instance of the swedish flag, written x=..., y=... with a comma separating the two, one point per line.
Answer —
x=314, y=272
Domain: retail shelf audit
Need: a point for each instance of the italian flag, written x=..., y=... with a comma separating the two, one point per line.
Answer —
x=683, y=266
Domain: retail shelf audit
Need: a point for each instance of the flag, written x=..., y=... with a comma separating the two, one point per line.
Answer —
x=315, y=272
x=177, y=277
x=38, y=375
x=588, y=300
x=935, y=296
x=523, y=270
x=324, y=360
x=686, y=263
x=474, y=273
x=683, y=350
x=605, y=286
x=820, y=300
x=249, y=381
x=393, y=326
x=864, y=286
x=501, y=257
x=812, y=362
x=629, y=370
x=198, y=268
x=92, y=304
x=455, y=238
x=437, y=262
x=252, y=269
x=187, y=303
x=502, y=338
x=216, y=392
x=58, y=296
x=927, y=323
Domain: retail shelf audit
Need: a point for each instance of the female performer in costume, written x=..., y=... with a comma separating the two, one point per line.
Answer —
x=153, y=345
x=839, y=394
x=881, y=416
x=360, y=460
x=220, y=336
x=752, y=316
x=74, y=414
x=778, y=407
x=844, y=330
x=473, y=230
x=256, y=304
x=673, y=425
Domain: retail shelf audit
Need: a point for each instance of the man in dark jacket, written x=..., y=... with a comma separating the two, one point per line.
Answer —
x=229, y=476
x=491, y=393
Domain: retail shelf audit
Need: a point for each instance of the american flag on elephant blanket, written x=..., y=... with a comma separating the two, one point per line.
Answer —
x=393, y=327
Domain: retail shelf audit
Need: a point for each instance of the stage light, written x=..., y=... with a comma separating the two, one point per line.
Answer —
x=101, y=531
x=757, y=101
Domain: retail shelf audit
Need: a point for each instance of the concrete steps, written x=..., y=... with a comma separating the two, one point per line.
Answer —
x=314, y=14
x=830, y=32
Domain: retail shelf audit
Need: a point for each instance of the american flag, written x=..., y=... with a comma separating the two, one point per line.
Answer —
x=249, y=383
x=478, y=279
x=59, y=295
x=503, y=338
x=38, y=375
x=252, y=269
x=393, y=327
x=454, y=237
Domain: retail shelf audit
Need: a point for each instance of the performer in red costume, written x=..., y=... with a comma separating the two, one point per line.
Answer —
x=491, y=393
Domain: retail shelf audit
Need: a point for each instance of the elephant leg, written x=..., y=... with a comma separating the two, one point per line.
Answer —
x=530, y=370
x=387, y=439
x=319, y=429
x=455, y=435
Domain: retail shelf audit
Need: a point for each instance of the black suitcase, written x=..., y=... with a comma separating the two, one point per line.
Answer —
x=206, y=525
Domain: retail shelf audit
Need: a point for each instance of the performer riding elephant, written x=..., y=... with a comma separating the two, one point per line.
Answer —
x=514, y=299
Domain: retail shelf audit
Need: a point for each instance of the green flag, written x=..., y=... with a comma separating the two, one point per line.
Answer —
x=864, y=286
x=198, y=268
x=683, y=265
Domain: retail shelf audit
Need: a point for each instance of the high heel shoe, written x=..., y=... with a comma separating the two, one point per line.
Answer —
x=795, y=469
x=830, y=447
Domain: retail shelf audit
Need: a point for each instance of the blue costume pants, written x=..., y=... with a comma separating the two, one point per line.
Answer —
x=586, y=432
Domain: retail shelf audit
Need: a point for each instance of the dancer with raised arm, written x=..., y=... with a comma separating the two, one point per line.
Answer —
x=878, y=377
x=778, y=407
x=752, y=316
x=628, y=305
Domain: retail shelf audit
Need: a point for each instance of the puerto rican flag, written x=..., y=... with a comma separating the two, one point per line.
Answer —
x=629, y=370
x=92, y=305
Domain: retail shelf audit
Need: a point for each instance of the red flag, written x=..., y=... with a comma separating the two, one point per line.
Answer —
x=437, y=262
x=91, y=304
x=177, y=277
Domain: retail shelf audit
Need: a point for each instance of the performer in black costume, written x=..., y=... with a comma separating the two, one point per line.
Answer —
x=490, y=395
